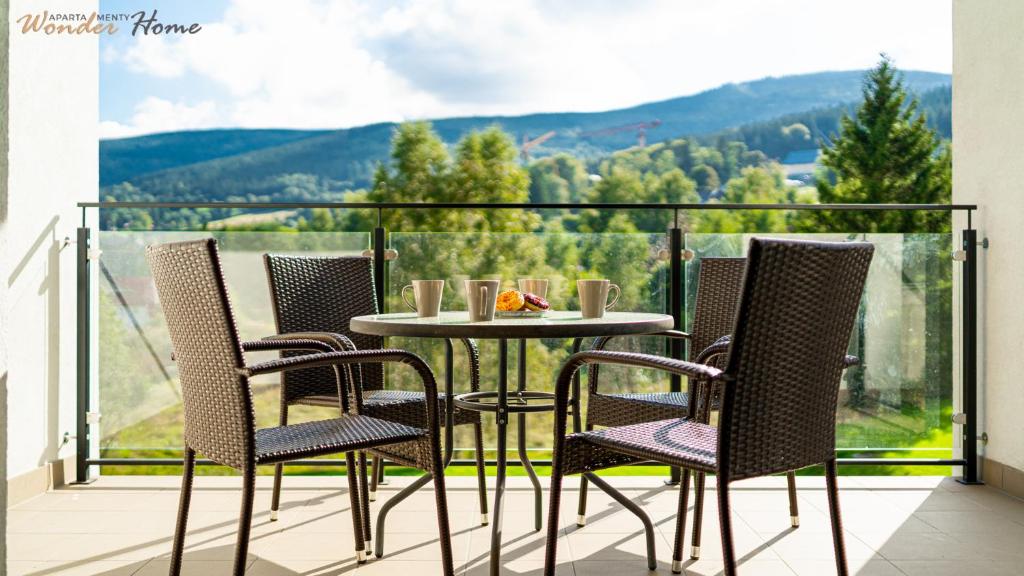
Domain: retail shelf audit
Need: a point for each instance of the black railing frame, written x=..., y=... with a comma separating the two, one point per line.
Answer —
x=674, y=303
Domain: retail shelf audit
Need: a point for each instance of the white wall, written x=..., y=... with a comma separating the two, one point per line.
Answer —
x=53, y=164
x=988, y=169
x=3, y=285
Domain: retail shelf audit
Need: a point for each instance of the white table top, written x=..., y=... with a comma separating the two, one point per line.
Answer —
x=555, y=324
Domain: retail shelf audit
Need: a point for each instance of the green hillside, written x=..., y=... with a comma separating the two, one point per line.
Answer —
x=288, y=165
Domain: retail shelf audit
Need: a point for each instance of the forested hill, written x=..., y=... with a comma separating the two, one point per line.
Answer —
x=299, y=165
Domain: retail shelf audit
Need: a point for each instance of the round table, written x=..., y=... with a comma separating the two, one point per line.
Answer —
x=554, y=324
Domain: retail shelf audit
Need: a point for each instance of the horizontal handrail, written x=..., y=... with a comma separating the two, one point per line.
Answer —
x=529, y=206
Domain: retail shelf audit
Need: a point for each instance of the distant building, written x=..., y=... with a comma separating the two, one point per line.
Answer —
x=799, y=165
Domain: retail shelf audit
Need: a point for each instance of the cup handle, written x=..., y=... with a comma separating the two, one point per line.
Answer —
x=406, y=299
x=614, y=300
x=483, y=300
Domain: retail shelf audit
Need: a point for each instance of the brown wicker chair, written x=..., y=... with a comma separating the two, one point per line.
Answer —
x=719, y=282
x=780, y=388
x=218, y=404
x=316, y=297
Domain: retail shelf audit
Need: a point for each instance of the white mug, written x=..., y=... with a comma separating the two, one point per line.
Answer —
x=427, y=297
x=594, y=297
x=482, y=296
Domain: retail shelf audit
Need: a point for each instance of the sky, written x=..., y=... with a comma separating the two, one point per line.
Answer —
x=342, y=63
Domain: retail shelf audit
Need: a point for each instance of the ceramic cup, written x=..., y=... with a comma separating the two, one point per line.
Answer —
x=538, y=286
x=426, y=297
x=594, y=297
x=481, y=296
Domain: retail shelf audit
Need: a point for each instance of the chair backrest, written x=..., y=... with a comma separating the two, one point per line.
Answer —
x=321, y=294
x=793, y=327
x=719, y=284
x=219, y=417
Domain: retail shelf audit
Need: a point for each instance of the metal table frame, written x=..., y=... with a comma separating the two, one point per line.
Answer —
x=502, y=411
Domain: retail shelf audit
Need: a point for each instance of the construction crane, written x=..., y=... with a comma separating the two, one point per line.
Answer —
x=640, y=128
x=524, y=150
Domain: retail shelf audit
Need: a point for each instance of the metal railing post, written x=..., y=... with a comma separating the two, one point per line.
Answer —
x=969, y=341
x=675, y=301
x=84, y=328
x=379, y=279
x=379, y=260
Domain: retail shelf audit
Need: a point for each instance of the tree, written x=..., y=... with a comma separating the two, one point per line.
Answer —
x=487, y=170
x=765, y=185
x=706, y=178
x=885, y=153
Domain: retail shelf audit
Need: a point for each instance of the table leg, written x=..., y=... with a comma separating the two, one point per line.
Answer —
x=538, y=505
x=577, y=424
x=575, y=402
x=449, y=447
x=449, y=404
x=499, y=485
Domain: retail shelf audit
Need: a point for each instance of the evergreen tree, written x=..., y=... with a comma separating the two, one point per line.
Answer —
x=885, y=153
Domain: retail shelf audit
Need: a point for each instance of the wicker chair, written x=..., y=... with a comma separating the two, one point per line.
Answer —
x=316, y=297
x=719, y=282
x=780, y=388
x=218, y=404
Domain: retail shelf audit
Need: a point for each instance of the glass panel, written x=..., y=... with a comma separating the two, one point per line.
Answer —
x=899, y=401
x=633, y=261
x=139, y=396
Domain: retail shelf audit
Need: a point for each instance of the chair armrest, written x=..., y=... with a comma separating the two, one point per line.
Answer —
x=284, y=343
x=576, y=361
x=339, y=342
x=336, y=343
x=599, y=344
x=721, y=346
x=347, y=359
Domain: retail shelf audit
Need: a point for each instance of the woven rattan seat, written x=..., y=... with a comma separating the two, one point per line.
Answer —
x=677, y=442
x=311, y=439
x=778, y=377
x=219, y=416
x=677, y=399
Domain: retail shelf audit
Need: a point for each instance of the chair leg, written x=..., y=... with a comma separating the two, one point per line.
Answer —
x=442, y=523
x=481, y=472
x=831, y=473
x=183, y=504
x=245, y=520
x=581, y=508
x=275, y=497
x=356, y=505
x=794, y=510
x=699, y=480
x=725, y=520
x=378, y=473
x=555, y=501
x=684, y=495
x=364, y=500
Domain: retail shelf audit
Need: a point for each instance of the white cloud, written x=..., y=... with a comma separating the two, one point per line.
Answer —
x=326, y=63
x=157, y=115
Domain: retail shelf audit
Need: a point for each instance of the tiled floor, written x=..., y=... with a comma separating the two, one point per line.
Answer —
x=122, y=526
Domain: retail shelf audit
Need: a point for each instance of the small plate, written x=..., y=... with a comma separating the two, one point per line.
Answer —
x=520, y=314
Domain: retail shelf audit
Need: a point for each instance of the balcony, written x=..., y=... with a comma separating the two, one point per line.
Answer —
x=904, y=510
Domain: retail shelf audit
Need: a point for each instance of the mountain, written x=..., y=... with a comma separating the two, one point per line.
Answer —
x=803, y=130
x=298, y=165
